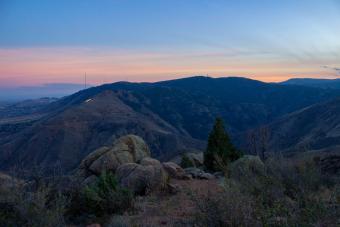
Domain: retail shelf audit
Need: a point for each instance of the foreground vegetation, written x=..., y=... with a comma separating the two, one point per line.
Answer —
x=50, y=202
x=279, y=192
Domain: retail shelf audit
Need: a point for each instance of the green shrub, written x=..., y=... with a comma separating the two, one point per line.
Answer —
x=105, y=197
x=37, y=206
x=186, y=162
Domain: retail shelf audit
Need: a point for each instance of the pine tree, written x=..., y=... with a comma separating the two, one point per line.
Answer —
x=220, y=150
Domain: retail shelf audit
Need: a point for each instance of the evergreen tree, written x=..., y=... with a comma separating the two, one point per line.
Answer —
x=220, y=150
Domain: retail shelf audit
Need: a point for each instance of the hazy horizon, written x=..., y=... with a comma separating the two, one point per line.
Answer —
x=60, y=41
x=58, y=90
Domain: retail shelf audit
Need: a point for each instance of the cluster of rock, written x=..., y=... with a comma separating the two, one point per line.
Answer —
x=129, y=159
x=197, y=173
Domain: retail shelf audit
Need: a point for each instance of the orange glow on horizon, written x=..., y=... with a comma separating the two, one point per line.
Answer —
x=32, y=66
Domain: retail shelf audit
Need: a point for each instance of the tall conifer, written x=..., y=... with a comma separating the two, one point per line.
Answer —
x=219, y=150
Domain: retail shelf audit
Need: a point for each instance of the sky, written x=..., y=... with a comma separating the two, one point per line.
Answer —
x=43, y=42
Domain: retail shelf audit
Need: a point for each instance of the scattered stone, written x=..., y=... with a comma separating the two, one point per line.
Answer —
x=174, y=170
x=193, y=171
x=219, y=174
x=197, y=173
x=206, y=176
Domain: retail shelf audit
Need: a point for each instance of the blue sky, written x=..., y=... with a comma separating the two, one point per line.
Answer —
x=266, y=40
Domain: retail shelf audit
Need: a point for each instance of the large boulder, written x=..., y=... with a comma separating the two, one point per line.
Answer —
x=142, y=178
x=93, y=156
x=150, y=162
x=127, y=149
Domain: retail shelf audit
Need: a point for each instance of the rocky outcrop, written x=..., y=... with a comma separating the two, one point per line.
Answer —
x=142, y=178
x=129, y=159
x=127, y=149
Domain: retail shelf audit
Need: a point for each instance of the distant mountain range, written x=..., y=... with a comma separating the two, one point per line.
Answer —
x=171, y=116
x=23, y=108
x=320, y=83
x=55, y=90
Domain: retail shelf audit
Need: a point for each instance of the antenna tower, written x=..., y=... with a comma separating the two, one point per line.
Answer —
x=85, y=81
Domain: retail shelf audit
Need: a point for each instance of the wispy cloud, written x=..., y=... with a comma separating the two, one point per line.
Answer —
x=334, y=69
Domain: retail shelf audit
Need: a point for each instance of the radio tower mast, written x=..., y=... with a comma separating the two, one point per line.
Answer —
x=85, y=81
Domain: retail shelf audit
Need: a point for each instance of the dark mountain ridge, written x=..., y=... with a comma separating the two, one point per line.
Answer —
x=312, y=82
x=170, y=115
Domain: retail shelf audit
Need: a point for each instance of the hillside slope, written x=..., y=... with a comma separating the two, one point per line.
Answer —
x=313, y=128
x=68, y=136
x=169, y=115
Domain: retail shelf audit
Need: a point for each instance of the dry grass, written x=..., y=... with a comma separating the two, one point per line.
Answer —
x=29, y=204
x=288, y=193
x=172, y=210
